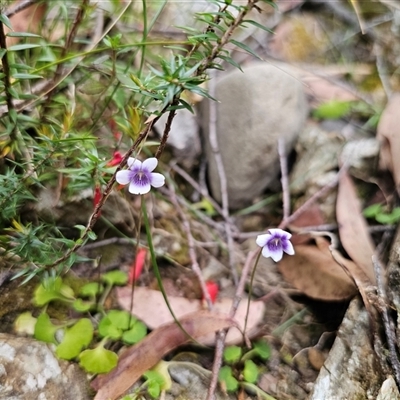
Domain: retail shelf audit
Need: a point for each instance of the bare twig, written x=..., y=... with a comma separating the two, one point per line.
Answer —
x=222, y=176
x=221, y=335
x=382, y=70
x=22, y=5
x=284, y=178
x=197, y=187
x=191, y=244
x=312, y=199
x=167, y=129
x=226, y=36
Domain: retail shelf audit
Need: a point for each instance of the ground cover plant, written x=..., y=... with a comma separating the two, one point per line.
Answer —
x=90, y=94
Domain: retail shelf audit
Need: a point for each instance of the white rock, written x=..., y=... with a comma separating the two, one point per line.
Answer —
x=256, y=108
x=29, y=370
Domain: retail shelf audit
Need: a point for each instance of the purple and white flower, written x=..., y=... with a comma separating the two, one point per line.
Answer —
x=139, y=175
x=274, y=243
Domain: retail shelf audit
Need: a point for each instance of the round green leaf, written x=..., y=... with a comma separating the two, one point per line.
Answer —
x=153, y=389
x=250, y=371
x=98, y=360
x=232, y=354
x=135, y=334
x=227, y=380
x=115, y=278
x=115, y=323
x=75, y=339
x=25, y=324
x=91, y=289
x=262, y=349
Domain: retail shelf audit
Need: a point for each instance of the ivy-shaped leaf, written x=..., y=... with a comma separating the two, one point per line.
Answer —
x=98, y=360
x=91, y=289
x=116, y=277
x=57, y=290
x=135, y=334
x=76, y=338
x=45, y=330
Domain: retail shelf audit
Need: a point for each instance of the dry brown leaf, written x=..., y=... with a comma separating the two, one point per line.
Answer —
x=148, y=352
x=313, y=271
x=388, y=133
x=147, y=300
x=353, y=229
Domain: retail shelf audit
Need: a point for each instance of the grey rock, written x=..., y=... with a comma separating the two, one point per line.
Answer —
x=29, y=370
x=352, y=370
x=255, y=109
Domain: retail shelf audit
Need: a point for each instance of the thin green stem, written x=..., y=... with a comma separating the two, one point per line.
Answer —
x=144, y=37
x=253, y=273
x=156, y=270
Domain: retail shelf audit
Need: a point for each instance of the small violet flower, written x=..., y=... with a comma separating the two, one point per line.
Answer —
x=274, y=243
x=139, y=175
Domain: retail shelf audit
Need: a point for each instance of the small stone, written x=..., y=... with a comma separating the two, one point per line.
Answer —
x=256, y=108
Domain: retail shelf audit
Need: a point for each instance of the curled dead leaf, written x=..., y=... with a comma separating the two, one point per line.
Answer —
x=313, y=271
x=388, y=133
x=353, y=229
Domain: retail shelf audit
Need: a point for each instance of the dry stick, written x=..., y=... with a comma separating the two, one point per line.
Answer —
x=387, y=322
x=192, y=251
x=19, y=7
x=382, y=70
x=197, y=187
x=226, y=36
x=221, y=335
x=209, y=221
x=222, y=176
x=312, y=199
x=284, y=178
x=167, y=129
x=203, y=192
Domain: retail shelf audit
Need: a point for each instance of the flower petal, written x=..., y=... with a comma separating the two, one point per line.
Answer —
x=157, y=180
x=262, y=240
x=150, y=164
x=123, y=177
x=275, y=254
x=287, y=247
x=134, y=163
x=134, y=188
x=280, y=233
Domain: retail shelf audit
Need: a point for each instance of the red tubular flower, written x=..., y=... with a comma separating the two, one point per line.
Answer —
x=97, y=196
x=212, y=289
x=116, y=159
x=137, y=266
